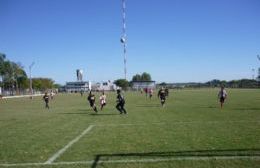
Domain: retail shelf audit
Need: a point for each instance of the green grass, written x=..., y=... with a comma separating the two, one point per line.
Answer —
x=190, y=125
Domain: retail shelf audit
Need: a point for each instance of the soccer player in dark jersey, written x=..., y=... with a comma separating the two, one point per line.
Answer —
x=120, y=102
x=81, y=93
x=91, y=99
x=46, y=99
x=162, y=96
x=150, y=93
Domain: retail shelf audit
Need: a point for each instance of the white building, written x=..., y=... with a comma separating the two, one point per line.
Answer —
x=137, y=85
x=106, y=86
x=78, y=86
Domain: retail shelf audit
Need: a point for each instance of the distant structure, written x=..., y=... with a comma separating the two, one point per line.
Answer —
x=258, y=78
x=138, y=85
x=104, y=86
x=79, y=85
x=79, y=73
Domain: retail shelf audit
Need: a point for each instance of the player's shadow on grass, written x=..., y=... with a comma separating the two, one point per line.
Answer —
x=75, y=113
x=247, y=108
x=80, y=111
x=102, y=114
x=209, y=107
x=178, y=154
x=148, y=105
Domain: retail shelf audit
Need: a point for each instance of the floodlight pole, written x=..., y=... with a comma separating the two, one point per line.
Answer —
x=258, y=75
x=123, y=38
x=30, y=68
x=253, y=75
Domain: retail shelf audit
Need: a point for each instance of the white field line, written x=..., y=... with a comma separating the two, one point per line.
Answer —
x=20, y=96
x=61, y=151
x=195, y=158
x=129, y=124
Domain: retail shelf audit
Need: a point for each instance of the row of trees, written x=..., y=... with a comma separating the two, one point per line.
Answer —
x=14, y=79
x=123, y=83
x=12, y=74
x=242, y=83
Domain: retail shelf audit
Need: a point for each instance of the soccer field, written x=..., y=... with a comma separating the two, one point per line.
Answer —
x=190, y=131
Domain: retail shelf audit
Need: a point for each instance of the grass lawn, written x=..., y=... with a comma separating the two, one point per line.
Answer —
x=190, y=131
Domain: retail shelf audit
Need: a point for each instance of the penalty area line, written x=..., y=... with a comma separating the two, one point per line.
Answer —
x=61, y=151
x=194, y=158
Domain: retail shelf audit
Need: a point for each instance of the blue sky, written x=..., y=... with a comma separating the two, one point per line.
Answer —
x=173, y=40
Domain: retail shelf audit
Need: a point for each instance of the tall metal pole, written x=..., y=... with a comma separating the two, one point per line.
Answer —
x=30, y=68
x=123, y=38
x=253, y=73
x=258, y=75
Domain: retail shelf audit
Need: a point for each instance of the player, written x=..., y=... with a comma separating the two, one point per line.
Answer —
x=81, y=92
x=150, y=93
x=146, y=91
x=120, y=102
x=222, y=95
x=162, y=96
x=52, y=94
x=91, y=99
x=46, y=99
x=102, y=99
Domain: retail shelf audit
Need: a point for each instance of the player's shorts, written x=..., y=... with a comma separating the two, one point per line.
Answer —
x=162, y=99
x=91, y=103
x=222, y=99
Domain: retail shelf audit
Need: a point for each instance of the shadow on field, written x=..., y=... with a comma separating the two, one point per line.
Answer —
x=148, y=105
x=245, y=108
x=76, y=113
x=196, y=153
x=81, y=111
x=98, y=114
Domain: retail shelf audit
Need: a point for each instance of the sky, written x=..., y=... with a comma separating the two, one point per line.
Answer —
x=173, y=40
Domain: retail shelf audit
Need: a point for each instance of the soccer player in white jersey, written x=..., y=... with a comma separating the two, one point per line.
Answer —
x=222, y=95
x=102, y=99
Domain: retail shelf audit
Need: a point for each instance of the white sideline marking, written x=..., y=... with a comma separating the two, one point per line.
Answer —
x=107, y=125
x=61, y=151
x=20, y=96
x=196, y=158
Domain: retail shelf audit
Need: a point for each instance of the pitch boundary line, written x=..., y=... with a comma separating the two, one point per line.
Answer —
x=61, y=151
x=195, y=158
x=89, y=128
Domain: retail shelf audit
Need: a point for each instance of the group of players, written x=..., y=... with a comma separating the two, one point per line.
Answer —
x=162, y=94
x=120, y=102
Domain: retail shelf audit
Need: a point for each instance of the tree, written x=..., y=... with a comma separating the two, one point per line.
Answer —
x=2, y=60
x=122, y=83
x=146, y=77
x=143, y=77
x=42, y=83
x=136, y=77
